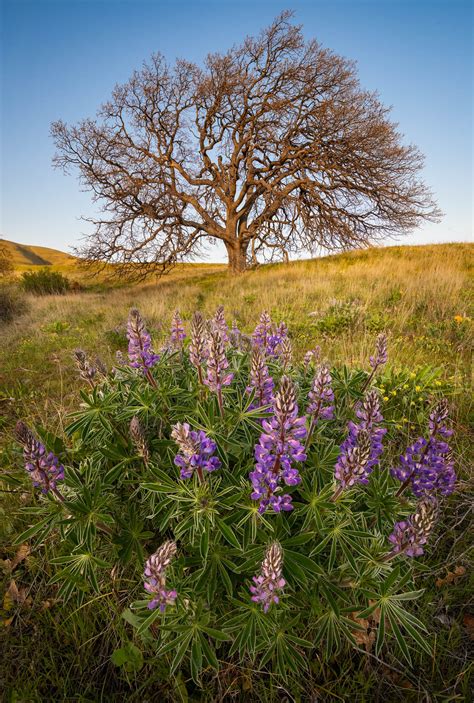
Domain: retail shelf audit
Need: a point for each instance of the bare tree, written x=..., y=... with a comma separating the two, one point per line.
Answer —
x=272, y=147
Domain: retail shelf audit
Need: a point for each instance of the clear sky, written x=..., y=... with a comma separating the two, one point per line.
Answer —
x=61, y=59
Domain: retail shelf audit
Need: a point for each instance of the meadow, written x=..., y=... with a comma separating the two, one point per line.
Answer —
x=421, y=296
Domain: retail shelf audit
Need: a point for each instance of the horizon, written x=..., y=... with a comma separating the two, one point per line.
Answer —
x=50, y=51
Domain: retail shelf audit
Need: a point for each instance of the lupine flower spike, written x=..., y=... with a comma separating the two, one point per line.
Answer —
x=409, y=536
x=220, y=324
x=217, y=376
x=312, y=357
x=269, y=583
x=196, y=451
x=139, y=440
x=198, y=346
x=285, y=352
x=262, y=332
x=276, y=343
x=235, y=335
x=361, y=450
x=140, y=352
x=178, y=335
x=155, y=577
x=260, y=380
x=427, y=465
x=44, y=467
x=278, y=447
x=321, y=397
x=378, y=359
x=86, y=371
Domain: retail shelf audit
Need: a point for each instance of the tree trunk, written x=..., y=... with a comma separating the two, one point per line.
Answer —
x=237, y=253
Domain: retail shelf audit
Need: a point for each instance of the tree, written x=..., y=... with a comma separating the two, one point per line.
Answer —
x=271, y=148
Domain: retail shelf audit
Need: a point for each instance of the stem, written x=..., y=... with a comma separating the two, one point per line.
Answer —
x=200, y=474
x=219, y=400
x=58, y=494
x=404, y=485
x=367, y=381
x=312, y=426
x=392, y=554
x=150, y=378
x=336, y=494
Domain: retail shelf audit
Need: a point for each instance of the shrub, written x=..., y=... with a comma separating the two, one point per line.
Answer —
x=239, y=501
x=45, y=282
x=12, y=303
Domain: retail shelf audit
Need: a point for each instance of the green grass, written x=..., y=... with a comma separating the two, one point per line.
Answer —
x=422, y=296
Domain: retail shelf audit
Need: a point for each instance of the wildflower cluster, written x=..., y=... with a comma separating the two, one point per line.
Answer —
x=140, y=352
x=44, y=467
x=279, y=447
x=409, y=536
x=155, y=577
x=178, y=335
x=269, y=583
x=361, y=450
x=427, y=465
x=261, y=383
x=271, y=338
x=196, y=451
x=261, y=468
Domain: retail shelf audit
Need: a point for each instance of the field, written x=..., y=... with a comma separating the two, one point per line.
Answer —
x=422, y=296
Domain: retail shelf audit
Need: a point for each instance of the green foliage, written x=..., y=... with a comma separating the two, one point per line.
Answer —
x=45, y=282
x=118, y=509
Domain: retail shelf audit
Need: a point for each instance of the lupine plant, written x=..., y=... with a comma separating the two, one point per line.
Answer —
x=246, y=502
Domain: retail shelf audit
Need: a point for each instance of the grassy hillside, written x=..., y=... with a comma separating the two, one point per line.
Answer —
x=25, y=256
x=422, y=296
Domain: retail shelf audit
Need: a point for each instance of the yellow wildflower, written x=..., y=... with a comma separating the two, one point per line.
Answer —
x=458, y=318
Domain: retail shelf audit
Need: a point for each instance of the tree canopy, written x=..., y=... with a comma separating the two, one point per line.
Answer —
x=272, y=148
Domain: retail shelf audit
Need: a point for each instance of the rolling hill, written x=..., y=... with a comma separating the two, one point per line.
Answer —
x=27, y=256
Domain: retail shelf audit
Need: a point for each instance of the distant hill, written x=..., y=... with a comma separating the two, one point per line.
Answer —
x=27, y=256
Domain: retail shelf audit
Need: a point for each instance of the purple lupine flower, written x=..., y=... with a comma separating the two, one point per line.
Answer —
x=43, y=466
x=196, y=451
x=321, y=397
x=155, y=576
x=140, y=352
x=427, y=465
x=269, y=583
x=235, y=335
x=219, y=323
x=380, y=357
x=198, y=351
x=261, y=383
x=361, y=450
x=178, y=335
x=216, y=372
x=312, y=357
x=278, y=447
x=86, y=371
x=409, y=536
x=262, y=331
x=285, y=352
x=279, y=344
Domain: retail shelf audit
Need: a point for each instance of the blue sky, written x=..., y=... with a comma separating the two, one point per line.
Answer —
x=61, y=59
